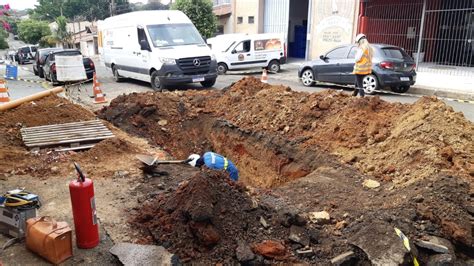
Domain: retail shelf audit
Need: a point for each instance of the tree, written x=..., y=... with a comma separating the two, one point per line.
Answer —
x=3, y=36
x=154, y=5
x=76, y=9
x=200, y=13
x=62, y=35
x=31, y=31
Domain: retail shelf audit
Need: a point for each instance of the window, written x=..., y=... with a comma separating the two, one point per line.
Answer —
x=352, y=52
x=394, y=53
x=242, y=47
x=174, y=34
x=240, y=20
x=337, y=53
x=251, y=19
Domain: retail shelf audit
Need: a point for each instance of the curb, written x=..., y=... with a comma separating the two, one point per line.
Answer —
x=421, y=90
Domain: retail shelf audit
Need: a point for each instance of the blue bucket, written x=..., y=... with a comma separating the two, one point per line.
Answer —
x=12, y=72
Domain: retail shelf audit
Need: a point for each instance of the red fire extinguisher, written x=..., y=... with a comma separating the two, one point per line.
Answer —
x=84, y=210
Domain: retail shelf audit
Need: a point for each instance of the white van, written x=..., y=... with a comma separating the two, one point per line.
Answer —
x=241, y=51
x=160, y=47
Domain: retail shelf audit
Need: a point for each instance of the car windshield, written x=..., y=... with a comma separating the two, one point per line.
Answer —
x=174, y=34
x=393, y=52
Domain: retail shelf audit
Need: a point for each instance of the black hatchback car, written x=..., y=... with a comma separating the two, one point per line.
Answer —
x=49, y=66
x=392, y=67
x=40, y=58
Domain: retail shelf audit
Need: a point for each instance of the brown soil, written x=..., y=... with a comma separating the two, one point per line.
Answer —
x=315, y=150
x=298, y=152
x=18, y=160
x=207, y=214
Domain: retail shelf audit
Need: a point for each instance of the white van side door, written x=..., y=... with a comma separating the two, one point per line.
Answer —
x=143, y=55
x=241, y=55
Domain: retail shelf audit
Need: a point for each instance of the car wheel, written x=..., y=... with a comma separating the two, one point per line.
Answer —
x=208, y=83
x=307, y=77
x=117, y=76
x=371, y=84
x=400, y=89
x=221, y=68
x=274, y=66
x=155, y=81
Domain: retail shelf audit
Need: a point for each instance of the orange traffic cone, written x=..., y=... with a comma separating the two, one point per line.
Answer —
x=98, y=95
x=4, y=96
x=264, y=78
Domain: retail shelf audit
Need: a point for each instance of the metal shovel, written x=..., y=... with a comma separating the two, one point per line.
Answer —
x=151, y=160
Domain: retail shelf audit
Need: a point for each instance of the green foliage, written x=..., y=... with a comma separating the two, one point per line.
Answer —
x=3, y=41
x=13, y=24
x=200, y=13
x=48, y=41
x=31, y=31
x=76, y=9
x=62, y=35
x=153, y=5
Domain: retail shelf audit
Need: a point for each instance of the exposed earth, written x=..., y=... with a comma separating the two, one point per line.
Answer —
x=321, y=175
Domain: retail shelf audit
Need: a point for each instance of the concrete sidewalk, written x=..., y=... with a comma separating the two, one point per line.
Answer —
x=444, y=85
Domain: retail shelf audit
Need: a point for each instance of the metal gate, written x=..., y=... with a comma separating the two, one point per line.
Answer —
x=438, y=34
x=276, y=16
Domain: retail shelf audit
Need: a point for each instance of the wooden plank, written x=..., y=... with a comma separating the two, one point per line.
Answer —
x=52, y=139
x=62, y=129
x=61, y=126
x=80, y=147
x=88, y=122
x=67, y=141
x=65, y=133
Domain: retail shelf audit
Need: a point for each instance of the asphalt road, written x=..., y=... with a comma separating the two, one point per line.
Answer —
x=112, y=89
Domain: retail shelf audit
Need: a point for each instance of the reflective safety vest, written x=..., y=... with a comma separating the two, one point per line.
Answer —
x=364, y=65
x=215, y=161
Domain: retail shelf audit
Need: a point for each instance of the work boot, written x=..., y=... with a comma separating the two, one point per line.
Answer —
x=354, y=93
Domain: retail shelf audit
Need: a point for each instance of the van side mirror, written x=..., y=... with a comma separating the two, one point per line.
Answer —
x=322, y=57
x=144, y=45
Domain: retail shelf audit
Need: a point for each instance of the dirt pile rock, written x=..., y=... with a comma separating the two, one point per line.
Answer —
x=206, y=219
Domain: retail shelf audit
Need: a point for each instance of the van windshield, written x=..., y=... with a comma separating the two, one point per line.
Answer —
x=174, y=34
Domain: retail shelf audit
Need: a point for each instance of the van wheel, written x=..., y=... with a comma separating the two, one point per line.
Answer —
x=274, y=66
x=117, y=77
x=155, y=81
x=208, y=83
x=221, y=68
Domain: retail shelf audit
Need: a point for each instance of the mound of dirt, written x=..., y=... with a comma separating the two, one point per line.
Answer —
x=391, y=141
x=16, y=159
x=206, y=219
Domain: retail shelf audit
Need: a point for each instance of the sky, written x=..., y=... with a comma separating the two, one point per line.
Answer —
x=23, y=4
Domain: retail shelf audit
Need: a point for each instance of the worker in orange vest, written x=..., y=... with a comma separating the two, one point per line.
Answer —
x=363, y=63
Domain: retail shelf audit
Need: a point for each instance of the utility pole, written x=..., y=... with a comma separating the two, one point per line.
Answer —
x=112, y=8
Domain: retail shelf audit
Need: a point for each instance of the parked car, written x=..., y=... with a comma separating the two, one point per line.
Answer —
x=160, y=47
x=392, y=67
x=26, y=53
x=242, y=51
x=39, y=60
x=15, y=37
x=49, y=66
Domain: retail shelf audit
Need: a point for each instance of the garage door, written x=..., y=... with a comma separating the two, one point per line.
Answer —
x=276, y=15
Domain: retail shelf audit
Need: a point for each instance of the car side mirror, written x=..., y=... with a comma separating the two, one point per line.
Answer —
x=234, y=51
x=144, y=45
x=322, y=57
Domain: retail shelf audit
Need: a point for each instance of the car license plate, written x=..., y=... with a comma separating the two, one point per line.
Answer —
x=404, y=78
x=198, y=79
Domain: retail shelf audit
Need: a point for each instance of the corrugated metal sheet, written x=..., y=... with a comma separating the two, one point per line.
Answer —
x=276, y=16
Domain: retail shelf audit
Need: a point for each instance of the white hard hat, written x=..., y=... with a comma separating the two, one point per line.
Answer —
x=193, y=158
x=360, y=36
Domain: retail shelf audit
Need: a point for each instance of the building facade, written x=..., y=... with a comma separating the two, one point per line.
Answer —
x=437, y=33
